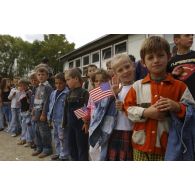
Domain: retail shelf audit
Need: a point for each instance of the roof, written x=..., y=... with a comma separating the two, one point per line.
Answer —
x=94, y=45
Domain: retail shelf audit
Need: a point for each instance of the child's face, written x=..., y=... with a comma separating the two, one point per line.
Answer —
x=59, y=84
x=110, y=71
x=125, y=72
x=90, y=71
x=42, y=77
x=22, y=87
x=72, y=82
x=184, y=41
x=34, y=82
x=156, y=63
x=98, y=80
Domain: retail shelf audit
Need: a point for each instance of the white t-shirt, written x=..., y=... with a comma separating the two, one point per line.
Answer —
x=122, y=121
x=14, y=99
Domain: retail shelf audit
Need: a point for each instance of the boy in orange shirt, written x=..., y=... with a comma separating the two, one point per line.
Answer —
x=150, y=100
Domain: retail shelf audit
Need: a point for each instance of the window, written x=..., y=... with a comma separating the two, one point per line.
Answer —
x=121, y=47
x=85, y=60
x=78, y=63
x=106, y=53
x=71, y=64
x=95, y=57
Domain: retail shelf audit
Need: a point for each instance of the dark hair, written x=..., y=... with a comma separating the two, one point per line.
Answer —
x=105, y=76
x=132, y=58
x=91, y=66
x=176, y=36
x=153, y=45
x=79, y=70
x=74, y=73
x=3, y=84
x=60, y=76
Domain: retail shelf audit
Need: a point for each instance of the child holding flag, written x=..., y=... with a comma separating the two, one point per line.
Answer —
x=76, y=99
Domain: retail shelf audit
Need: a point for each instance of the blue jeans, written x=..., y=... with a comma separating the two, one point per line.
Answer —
x=15, y=125
x=1, y=118
x=61, y=140
x=7, y=112
x=43, y=137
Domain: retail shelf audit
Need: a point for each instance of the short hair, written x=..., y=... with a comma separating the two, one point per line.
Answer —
x=79, y=69
x=176, y=36
x=153, y=45
x=24, y=82
x=116, y=60
x=74, y=73
x=60, y=76
x=132, y=58
x=42, y=69
x=105, y=76
x=33, y=75
x=91, y=66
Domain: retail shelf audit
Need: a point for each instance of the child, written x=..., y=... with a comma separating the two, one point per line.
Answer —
x=120, y=147
x=182, y=65
x=109, y=68
x=150, y=100
x=34, y=84
x=90, y=70
x=24, y=100
x=5, y=102
x=99, y=77
x=55, y=114
x=77, y=98
x=1, y=113
x=41, y=107
x=15, y=124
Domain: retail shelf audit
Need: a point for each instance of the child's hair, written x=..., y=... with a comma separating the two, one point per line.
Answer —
x=60, y=76
x=108, y=63
x=3, y=83
x=176, y=36
x=74, y=73
x=154, y=44
x=33, y=75
x=42, y=69
x=105, y=76
x=116, y=60
x=24, y=82
x=91, y=66
x=132, y=58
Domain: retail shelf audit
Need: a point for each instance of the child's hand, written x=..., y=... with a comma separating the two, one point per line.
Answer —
x=119, y=105
x=153, y=113
x=85, y=127
x=115, y=85
x=43, y=117
x=166, y=104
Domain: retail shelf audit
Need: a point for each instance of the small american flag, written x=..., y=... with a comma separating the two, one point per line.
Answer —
x=101, y=92
x=81, y=112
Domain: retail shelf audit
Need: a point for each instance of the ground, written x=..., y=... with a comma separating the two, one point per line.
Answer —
x=10, y=151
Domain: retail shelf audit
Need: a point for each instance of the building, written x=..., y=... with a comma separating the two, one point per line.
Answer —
x=101, y=50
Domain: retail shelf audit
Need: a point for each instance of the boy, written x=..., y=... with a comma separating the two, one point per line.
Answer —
x=150, y=100
x=55, y=115
x=90, y=70
x=41, y=107
x=77, y=98
x=182, y=65
x=120, y=147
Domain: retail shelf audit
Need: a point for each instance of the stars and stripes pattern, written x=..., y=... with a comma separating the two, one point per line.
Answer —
x=81, y=112
x=101, y=92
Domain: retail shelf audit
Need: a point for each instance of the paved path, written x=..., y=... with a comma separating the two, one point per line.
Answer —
x=10, y=151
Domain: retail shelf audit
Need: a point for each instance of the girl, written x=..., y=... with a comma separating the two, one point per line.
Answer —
x=4, y=101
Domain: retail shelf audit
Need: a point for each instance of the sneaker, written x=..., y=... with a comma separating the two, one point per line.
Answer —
x=21, y=142
x=28, y=144
x=35, y=153
x=14, y=135
x=43, y=155
x=55, y=157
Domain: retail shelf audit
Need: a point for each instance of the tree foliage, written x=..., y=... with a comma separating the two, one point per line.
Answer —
x=19, y=57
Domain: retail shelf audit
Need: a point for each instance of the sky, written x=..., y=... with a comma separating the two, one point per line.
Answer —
x=77, y=38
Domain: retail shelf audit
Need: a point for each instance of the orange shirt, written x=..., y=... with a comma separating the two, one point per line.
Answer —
x=151, y=135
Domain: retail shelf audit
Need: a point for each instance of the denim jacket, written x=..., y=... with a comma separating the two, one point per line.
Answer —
x=103, y=121
x=181, y=141
x=56, y=106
